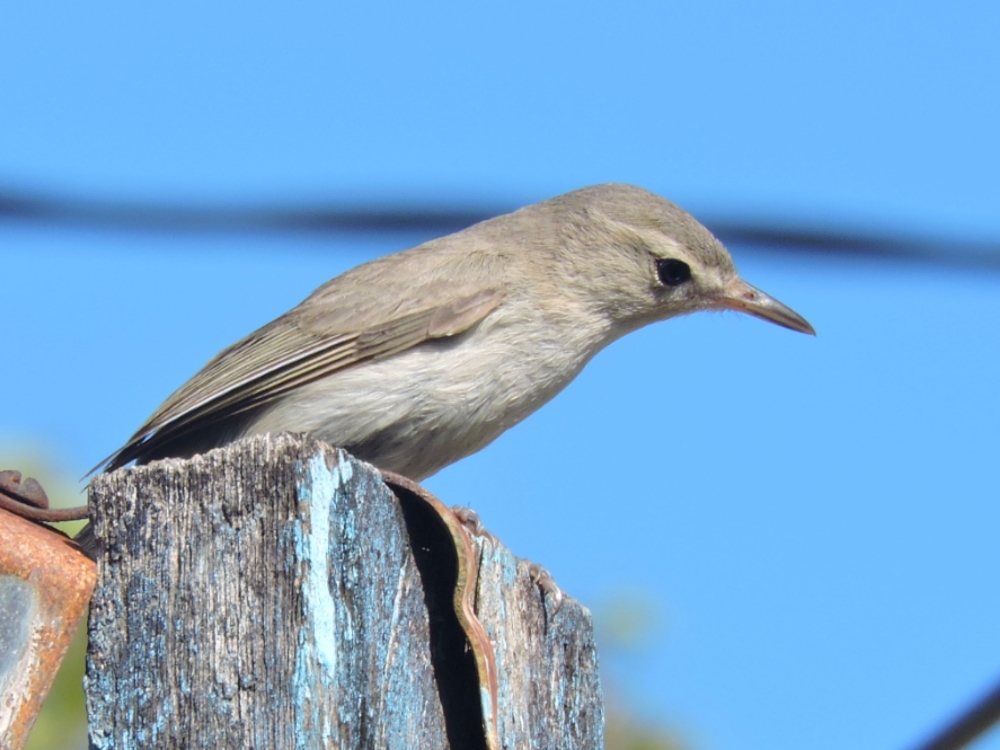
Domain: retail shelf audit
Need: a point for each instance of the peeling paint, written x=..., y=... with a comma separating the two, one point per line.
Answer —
x=319, y=491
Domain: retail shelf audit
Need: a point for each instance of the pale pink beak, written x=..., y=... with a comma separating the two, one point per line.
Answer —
x=742, y=297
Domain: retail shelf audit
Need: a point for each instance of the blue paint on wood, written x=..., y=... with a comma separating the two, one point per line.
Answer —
x=266, y=596
x=313, y=531
x=315, y=675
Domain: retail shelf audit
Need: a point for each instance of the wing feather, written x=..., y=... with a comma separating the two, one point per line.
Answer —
x=285, y=355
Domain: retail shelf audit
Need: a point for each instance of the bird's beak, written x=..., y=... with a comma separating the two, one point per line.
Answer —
x=742, y=297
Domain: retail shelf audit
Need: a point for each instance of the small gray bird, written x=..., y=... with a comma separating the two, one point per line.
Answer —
x=418, y=359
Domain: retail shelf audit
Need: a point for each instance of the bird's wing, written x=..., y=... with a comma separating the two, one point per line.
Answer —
x=293, y=350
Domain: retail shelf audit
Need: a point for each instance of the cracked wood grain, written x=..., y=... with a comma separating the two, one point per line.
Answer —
x=275, y=594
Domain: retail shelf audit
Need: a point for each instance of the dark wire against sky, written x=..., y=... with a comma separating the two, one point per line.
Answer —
x=442, y=218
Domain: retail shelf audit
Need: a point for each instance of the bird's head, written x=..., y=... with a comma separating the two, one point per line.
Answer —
x=647, y=259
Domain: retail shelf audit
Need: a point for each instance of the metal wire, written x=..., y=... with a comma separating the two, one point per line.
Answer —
x=435, y=219
x=969, y=726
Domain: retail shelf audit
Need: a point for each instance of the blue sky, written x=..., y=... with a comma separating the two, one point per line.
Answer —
x=815, y=519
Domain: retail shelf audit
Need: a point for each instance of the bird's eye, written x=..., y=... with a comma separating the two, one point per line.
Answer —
x=673, y=272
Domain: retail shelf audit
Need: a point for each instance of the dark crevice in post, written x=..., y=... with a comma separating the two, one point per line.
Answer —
x=455, y=672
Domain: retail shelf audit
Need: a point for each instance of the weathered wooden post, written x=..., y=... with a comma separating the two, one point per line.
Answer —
x=277, y=594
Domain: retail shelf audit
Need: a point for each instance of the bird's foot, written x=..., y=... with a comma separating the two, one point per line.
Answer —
x=472, y=523
x=539, y=575
x=547, y=585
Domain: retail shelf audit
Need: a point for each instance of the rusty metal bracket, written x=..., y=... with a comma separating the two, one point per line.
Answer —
x=45, y=587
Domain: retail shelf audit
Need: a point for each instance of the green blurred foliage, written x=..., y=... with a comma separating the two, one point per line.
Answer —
x=623, y=731
x=627, y=620
x=626, y=623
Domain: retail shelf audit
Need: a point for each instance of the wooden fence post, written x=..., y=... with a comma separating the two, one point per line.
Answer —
x=276, y=594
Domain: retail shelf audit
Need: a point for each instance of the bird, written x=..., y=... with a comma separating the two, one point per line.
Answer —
x=415, y=360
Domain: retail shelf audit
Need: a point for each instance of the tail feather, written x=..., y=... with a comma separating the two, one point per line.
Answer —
x=87, y=541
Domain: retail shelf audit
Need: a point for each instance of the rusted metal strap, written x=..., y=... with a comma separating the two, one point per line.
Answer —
x=45, y=587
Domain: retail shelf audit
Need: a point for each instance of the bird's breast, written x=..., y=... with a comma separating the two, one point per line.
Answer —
x=420, y=410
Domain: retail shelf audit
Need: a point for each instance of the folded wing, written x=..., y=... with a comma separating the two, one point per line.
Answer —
x=288, y=353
